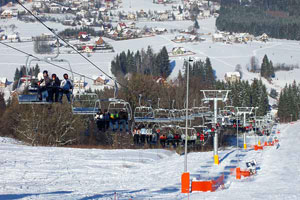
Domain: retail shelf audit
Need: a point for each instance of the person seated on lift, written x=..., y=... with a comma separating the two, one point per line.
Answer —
x=65, y=88
x=54, y=88
x=43, y=86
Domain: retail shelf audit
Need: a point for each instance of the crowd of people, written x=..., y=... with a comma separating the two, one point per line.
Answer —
x=112, y=120
x=52, y=89
x=143, y=135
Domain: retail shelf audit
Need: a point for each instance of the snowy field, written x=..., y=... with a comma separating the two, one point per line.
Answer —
x=64, y=173
x=224, y=57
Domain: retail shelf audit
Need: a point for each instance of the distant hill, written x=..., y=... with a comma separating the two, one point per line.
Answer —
x=277, y=18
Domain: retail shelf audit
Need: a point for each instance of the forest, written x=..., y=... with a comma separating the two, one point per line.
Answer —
x=277, y=18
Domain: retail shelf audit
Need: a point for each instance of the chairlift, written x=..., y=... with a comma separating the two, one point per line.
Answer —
x=86, y=104
x=204, y=134
x=30, y=82
x=175, y=114
x=143, y=113
x=161, y=113
x=116, y=105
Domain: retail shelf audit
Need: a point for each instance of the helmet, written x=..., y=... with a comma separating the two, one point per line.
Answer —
x=45, y=71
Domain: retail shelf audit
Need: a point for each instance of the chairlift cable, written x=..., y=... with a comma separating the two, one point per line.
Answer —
x=48, y=62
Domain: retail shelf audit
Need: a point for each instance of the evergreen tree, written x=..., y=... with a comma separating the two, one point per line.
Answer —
x=265, y=67
x=209, y=72
x=17, y=75
x=165, y=70
x=180, y=9
x=2, y=104
x=196, y=25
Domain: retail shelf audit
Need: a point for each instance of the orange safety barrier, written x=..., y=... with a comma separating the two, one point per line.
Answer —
x=269, y=144
x=185, y=182
x=260, y=147
x=205, y=186
x=256, y=147
x=240, y=173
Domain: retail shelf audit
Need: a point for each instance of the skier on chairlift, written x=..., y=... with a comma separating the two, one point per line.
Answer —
x=43, y=86
x=65, y=88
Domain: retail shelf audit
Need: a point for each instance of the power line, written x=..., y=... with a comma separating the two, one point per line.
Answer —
x=52, y=31
x=58, y=66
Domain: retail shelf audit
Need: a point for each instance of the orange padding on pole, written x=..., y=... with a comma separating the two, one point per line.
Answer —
x=185, y=183
x=240, y=173
x=205, y=186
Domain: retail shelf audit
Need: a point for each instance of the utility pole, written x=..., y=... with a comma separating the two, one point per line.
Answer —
x=186, y=112
x=185, y=177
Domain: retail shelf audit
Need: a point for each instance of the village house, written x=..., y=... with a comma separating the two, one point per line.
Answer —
x=217, y=37
x=131, y=16
x=3, y=82
x=132, y=25
x=264, y=37
x=6, y=14
x=88, y=49
x=100, y=80
x=79, y=83
x=179, y=39
x=13, y=37
x=83, y=36
x=55, y=8
x=178, y=51
x=232, y=77
x=121, y=26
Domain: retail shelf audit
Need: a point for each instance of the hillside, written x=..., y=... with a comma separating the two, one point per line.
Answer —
x=278, y=19
x=66, y=173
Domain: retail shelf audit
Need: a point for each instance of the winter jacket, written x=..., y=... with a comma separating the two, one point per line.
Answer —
x=123, y=115
x=45, y=82
x=66, y=84
x=55, y=83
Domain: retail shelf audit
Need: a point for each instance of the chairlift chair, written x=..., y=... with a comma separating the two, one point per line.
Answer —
x=161, y=114
x=206, y=134
x=32, y=97
x=143, y=113
x=86, y=104
x=29, y=83
x=116, y=105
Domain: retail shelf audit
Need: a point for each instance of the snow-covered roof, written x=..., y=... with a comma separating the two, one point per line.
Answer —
x=3, y=80
x=229, y=74
x=217, y=35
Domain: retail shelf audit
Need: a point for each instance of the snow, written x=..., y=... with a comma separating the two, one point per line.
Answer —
x=224, y=57
x=66, y=173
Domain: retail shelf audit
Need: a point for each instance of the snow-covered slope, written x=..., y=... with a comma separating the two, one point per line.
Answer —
x=65, y=173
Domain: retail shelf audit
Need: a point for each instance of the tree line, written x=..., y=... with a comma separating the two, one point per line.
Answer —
x=73, y=32
x=143, y=62
x=278, y=19
x=244, y=94
x=288, y=106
